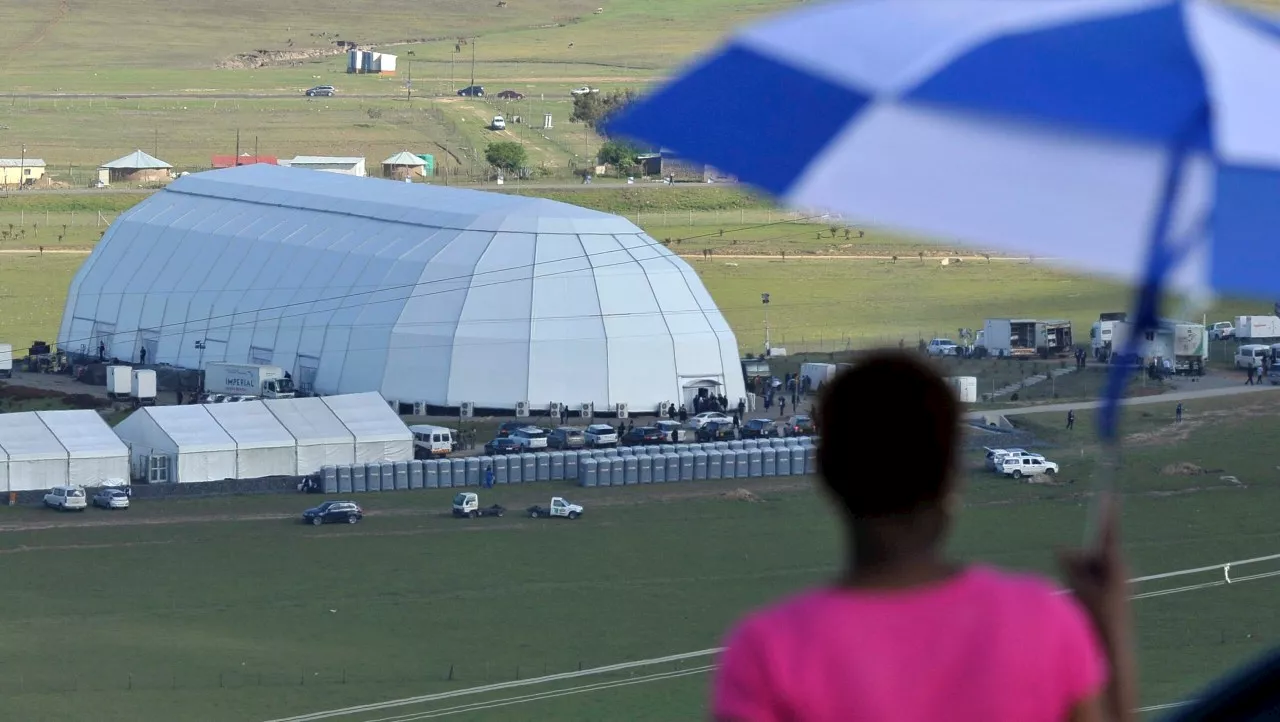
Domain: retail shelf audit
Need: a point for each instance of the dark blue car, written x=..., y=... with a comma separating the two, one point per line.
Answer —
x=333, y=512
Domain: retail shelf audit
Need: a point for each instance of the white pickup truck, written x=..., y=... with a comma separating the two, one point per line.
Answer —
x=467, y=504
x=1018, y=467
x=942, y=347
x=559, y=507
x=997, y=457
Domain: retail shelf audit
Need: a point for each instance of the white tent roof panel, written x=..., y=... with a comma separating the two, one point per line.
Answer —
x=25, y=438
x=368, y=417
x=310, y=421
x=83, y=434
x=251, y=425
x=190, y=428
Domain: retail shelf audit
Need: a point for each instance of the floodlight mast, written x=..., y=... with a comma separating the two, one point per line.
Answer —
x=764, y=300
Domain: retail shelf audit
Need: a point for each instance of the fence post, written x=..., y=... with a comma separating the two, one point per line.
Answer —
x=517, y=671
x=344, y=675
x=451, y=673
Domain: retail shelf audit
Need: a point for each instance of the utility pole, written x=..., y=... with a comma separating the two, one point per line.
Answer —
x=155, y=148
x=453, y=85
x=473, y=60
x=255, y=149
x=22, y=166
x=764, y=299
x=237, y=158
x=408, y=83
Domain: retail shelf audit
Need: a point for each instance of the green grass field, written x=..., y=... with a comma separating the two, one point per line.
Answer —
x=176, y=611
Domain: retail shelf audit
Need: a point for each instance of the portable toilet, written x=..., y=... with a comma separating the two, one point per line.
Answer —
x=659, y=468
x=515, y=468
x=644, y=469
x=617, y=472
x=373, y=476
x=557, y=465
x=459, y=472
x=743, y=468
x=797, y=460
x=415, y=474
x=358, y=481
x=783, y=462
x=673, y=466
x=587, y=475
x=700, y=465
x=754, y=466
x=329, y=479
x=542, y=472
x=472, y=477
x=769, y=461
x=431, y=474
x=715, y=460
x=630, y=469
x=810, y=459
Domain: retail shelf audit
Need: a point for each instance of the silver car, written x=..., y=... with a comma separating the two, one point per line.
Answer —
x=111, y=499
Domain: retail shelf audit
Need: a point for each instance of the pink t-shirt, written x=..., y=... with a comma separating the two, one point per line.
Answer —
x=983, y=646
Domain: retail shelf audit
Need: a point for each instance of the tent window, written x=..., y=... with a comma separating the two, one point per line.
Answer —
x=260, y=355
x=157, y=469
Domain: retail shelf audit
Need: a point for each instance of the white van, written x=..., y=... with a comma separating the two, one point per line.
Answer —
x=1251, y=355
x=66, y=498
x=431, y=442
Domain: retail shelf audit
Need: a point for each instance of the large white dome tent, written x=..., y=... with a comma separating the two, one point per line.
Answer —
x=426, y=294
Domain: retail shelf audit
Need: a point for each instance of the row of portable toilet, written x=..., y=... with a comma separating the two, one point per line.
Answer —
x=698, y=465
x=446, y=473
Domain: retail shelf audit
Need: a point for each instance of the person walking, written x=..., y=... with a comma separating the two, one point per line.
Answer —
x=782, y=406
x=488, y=476
x=1249, y=379
x=1071, y=419
x=1177, y=414
x=684, y=414
x=102, y=351
x=906, y=633
x=142, y=357
x=742, y=407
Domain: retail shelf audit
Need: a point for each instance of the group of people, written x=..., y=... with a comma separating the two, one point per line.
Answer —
x=1255, y=374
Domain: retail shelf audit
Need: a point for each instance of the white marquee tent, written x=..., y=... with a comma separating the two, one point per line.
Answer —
x=201, y=449
x=424, y=293
x=43, y=449
x=321, y=438
x=263, y=446
x=253, y=439
x=379, y=433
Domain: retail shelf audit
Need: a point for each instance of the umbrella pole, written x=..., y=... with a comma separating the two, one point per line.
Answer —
x=1161, y=257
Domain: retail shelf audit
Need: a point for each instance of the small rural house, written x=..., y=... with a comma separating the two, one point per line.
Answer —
x=330, y=164
x=231, y=161
x=137, y=167
x=404, y=165
x=20, y=171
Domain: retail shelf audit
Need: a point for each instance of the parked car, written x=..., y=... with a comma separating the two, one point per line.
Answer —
x=1018, y=467
x=501, y=445
x=467, y=504
x=66, y=498
x=674, y=432
x=759, y=429
x=601, y=435
x=110, y=498
x=584, y=90
x=1252, y=355
x=566, y=437
x=716, y=430
x=800, y=425
x=324, y=91
x=510, y=95
x=506, y=427
x=472, y=91
x=697, y=421
x=942, y=347
x=559, y=507
x=1222, y=330
x=498, y=123
x=333, y=512
x=644, y=436
x=529, y=438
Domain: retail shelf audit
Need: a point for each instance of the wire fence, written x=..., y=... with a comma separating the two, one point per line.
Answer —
x=26, y=682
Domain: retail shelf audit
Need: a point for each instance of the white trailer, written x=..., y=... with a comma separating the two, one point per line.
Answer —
x=260, y=380
x=6, y=360
x=143, y=387
x=1190, y=347
x=1256, y=329
x=119, y=382
x=966, y=387
x=817, y=372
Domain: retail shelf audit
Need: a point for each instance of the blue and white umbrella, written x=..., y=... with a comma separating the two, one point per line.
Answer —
x=1135, y=138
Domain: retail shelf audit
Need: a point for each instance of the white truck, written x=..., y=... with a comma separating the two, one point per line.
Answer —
x=467, y=504
x=1257, y=329
x=1025, y=338
x=262, y=381
x=1184, y=345
x=119, y=382
x=559, y=507
x=6, y=360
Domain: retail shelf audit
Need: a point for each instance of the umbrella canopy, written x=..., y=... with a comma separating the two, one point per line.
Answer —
x=1136, y=138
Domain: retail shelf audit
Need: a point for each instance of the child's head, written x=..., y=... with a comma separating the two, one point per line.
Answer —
x=888, y=437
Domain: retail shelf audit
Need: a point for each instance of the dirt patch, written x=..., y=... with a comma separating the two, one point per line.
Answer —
x=741, y=495
x=1183, y=468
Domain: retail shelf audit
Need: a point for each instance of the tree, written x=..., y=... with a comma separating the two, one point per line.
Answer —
x=506, y=155
x=596, y=108
x=618, y=153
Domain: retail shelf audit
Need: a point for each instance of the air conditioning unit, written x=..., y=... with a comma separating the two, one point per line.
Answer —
x=622, y=410
x=553, y=410
x=522, y=408
x=586, y=410
x=419, y=408
x=467, y=409
x=664, y=408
